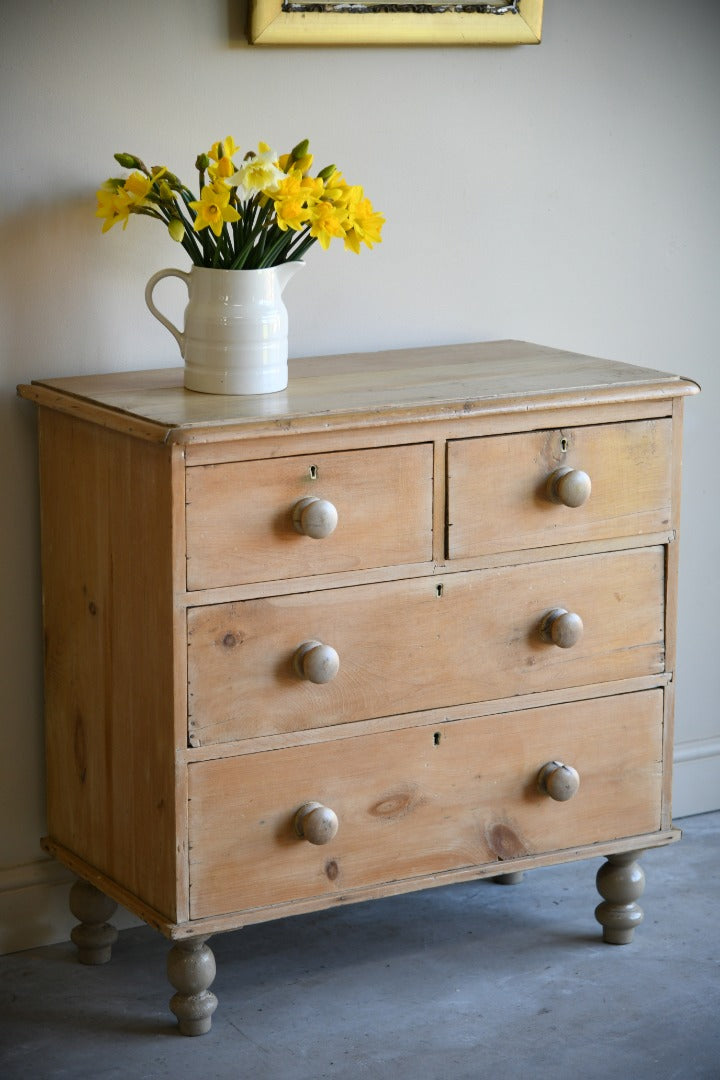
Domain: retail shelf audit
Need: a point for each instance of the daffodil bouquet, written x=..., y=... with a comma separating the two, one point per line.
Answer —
x=267, y=211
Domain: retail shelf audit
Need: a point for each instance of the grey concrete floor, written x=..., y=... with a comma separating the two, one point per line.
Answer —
x=457, y=983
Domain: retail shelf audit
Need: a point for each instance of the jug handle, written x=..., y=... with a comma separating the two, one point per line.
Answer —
x=149, y=288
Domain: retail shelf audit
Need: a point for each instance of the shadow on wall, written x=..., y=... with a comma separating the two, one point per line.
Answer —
x=70, y=294
x=238, y=14
x=70, y=302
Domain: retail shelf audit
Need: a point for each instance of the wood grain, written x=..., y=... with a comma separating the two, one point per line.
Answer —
x=409, y=804
x=362, y=390
x=239, y=515
x=108, y=609
x=421, y=643
x=496, y=486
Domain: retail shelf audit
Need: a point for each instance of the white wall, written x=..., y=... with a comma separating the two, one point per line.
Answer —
x=565, y=194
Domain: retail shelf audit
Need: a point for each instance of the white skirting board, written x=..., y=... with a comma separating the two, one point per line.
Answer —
x=34, y=907
x=696, y=777
x=34, y=898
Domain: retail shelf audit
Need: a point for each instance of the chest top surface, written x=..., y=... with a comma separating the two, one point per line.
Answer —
x=359, y=390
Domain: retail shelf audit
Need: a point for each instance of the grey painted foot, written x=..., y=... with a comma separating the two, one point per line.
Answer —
x=94, y=935
x=191, y=970
x=620, y=881
x=509, y=879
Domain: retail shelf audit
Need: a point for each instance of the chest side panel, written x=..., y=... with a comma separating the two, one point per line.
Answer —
x=108, y=616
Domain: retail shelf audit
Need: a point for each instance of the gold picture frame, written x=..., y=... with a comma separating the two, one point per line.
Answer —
x=402, y=22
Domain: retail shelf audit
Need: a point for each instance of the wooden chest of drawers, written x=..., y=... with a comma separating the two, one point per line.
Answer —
x=409, y=622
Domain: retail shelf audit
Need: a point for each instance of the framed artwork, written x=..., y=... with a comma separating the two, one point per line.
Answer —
x=401, y=22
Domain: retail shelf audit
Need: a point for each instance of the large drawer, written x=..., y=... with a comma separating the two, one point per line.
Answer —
x=421, y=801
x=498, y=497
x=422, y=643
x=240, y=515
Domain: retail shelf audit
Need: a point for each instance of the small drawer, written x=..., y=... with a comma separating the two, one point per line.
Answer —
x=244, y=523
x=505, y=492
x=420, y=801
x=288, y=663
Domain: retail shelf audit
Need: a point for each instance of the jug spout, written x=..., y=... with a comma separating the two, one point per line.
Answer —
x=285, y=271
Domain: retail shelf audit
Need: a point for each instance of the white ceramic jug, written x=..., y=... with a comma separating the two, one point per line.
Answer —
x=235, y=339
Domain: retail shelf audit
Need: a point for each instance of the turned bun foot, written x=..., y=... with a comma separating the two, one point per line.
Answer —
x=513, y=878
x=191, y=970
x=94, y=935
x=620, y=882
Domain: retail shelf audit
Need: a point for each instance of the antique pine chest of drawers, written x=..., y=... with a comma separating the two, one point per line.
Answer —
x=407, y=623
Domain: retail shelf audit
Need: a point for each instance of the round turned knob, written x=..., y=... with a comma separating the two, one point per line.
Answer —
x=562, y=628
x=559, y=781
x=316, y=662
x=571, y=487
x=314, y=517
x=316, y=823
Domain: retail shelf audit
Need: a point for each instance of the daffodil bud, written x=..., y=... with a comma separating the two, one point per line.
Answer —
x=129, y=161
x=165, y=191
x=176, y=230
x=173, y=180
x=201, y=162
x=327, y=172
x=300, y=150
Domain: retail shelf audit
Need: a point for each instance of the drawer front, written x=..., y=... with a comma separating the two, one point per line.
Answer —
x=497, y=487
x=421, y=801
x=240, y=515
x=422, y=643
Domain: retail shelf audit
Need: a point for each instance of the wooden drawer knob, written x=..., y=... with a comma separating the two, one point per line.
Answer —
x=316, y=662
x=316, y=823
x=559, y=781
x=562, y=628
x=313, y=517
x=571, y=487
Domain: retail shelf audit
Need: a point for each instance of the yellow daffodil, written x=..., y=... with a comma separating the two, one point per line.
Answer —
x=326, y=223
x=363, y=224
x=113, y=205
x=213, y=208
x=297, y=186
x=337, y=189
x=295, y=198
x=291, y=214
x=226, y=148
x=222, y=169
x=138, y=187
x=302, y=164
x=222, y=154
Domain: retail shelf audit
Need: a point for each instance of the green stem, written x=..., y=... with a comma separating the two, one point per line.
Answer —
x=195, y=246
x=192, y=246
x=271, y=254
x=189, y=242
x=297, y=253
x=239, y=260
